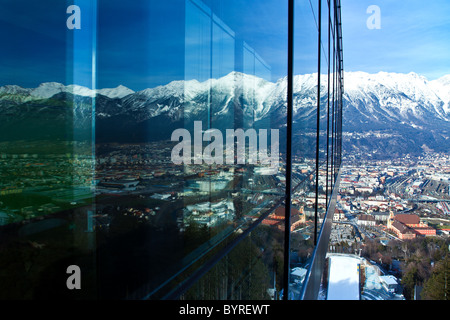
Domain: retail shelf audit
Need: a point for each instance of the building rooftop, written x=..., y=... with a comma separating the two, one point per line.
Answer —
x=407, y=218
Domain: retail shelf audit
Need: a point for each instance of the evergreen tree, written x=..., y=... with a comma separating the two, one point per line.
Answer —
x=437, y=287
x=409, y=281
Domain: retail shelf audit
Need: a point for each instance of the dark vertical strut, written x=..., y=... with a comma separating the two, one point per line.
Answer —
x=332, y=22
x=318, y=120
x=336, y=84
x=287, y=212
x=333, y=87
x=328, y=105
x=341, y=75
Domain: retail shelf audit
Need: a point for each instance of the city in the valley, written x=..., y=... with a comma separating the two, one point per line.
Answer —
x=393, y=214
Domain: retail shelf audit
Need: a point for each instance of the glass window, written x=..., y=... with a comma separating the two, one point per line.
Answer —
x=143, y=143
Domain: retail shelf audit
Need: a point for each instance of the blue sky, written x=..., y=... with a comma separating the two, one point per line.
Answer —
x=414, y=37
x=142, y=43
x=136, y=45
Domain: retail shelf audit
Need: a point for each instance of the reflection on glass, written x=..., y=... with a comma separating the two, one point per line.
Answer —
x=253, y=270
x=47, y=162
x=225, y=109
x=323, y=130
x=304, y=145
x=149, y=145
x=314, y=129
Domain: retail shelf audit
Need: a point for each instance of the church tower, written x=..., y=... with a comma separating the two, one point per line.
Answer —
x=391, y=219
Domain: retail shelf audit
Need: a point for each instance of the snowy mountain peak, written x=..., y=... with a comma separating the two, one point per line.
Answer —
x=445, y=80
x=14, y=90
x=47, y=90
x=118, y=92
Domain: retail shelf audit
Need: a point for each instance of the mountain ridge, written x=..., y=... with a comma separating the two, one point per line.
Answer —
x=382, y=102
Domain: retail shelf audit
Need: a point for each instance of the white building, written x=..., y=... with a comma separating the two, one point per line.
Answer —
x=389, y=283
x=366, y=220
x=298, y=274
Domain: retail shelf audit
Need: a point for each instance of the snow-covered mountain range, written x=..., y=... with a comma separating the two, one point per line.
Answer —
x=389, y=103
x=394, y=114
x=389, y=97
x=48, y=89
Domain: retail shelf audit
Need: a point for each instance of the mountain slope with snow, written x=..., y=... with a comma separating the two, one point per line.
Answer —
x=400, y=105
x=391, y=98
x=47, y=90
